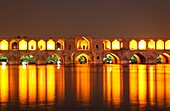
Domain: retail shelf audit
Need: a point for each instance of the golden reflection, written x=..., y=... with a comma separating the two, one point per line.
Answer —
x=60, y=84
x=32, y=90
x=23, y=84
x=41, y=83
x=151, y=45
x=142, y=45
x=50, y=83
x=115, y=45
x=111, y=87
x=83, y=83
x=160, y=45
x=167, y=84
x=160, y=84
x=4, y=84
x=133, y=82
x=133, y=45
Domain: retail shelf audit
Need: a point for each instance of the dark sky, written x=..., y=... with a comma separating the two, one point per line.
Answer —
x=99, y=18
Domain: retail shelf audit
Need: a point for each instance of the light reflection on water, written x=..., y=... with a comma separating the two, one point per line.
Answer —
x=85, y=87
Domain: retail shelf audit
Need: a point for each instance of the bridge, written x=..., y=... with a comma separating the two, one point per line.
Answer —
x=85, y=49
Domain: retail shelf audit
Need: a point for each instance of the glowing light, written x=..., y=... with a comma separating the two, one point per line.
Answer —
x=160, y=45
x=142, y=45
x=42, y=45
x=115, y=45
x=83, y=44
x=4, y=45
x=50, y=45
x=167, y=45
x=22, y=45
x=32, y=45
x=133, y=45
x=88, y=59
x=151, y=44
x=106, y=45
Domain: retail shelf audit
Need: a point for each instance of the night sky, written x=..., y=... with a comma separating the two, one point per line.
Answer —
x=99, y=18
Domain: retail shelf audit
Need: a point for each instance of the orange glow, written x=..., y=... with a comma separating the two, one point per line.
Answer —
x=4, y=45
x=160, y=45
x=167, y=84
x=4, y=84
x=32, y=90
x=115, y=58
x=50, y=45
x=133, y=75
x=111, y=86
x=22, y=45
x=41, y=45
x=160, y=84
x=133, y=45
x=137, y=57
x=142, y=84
x=142, y=45
x=50, y=83
x=83, y=84
x=60, y=84
x=151, y=45
x=88, y=59
x=151, y=75
x=167, y=45
x=23, y=80
x=41, y=83
x=83, y=43
x=107, y=45
x=61, y=42
x=32, y=45
x=115, y=45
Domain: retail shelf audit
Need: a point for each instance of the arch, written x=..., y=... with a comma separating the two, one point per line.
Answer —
x=106, y=45
x=22, y=45
x=163, y=58
x=55, y=59
x=133, y=45
x=32, y=45
x=60, y=45
x=115, y=45
x=142, y=45
x=138, y=59
x=160, y=45
x=83, y=58
x=111, y=58
x=167, y=45
x=50, y=45
x=13, y=45
x=83, y=44
x=4, y=45
x=151, y=45
x=28, y=59
x=41, y=45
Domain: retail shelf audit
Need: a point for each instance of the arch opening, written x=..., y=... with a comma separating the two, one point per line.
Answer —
x=151, y=45
x=54, y=59
x=41, y=45
x=111, y=59
x=83, y=44
x=160, y=45
x=22, y=45
x=60, y=45
x=27, y=59
x=133, y=45
x=32, y=45
x=163, y=58
x=115, y=45
x=167, y=45
x=14, y=45
x=3, y=59
x=50, y=45
x=142, y=45
x=106, y=45
x=4, y=45
x=137, y=59
x=82, y=59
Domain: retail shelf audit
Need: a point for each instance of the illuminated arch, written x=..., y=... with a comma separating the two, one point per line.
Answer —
x=133, y=45
x=83, y=44
x=4, y=45
x=107, y=45
x=163, y=58
x=142, y=45
x=111, y=58
x=167, y=45
x=115, y=45
x=50, y=45
x=137, y=58
x=151, y=45
x=32, y=45
x=13, y=45
x=160, y=45
x=41, y=45
x=83, y=58
x=55, y=59
x=22, y=45
x=27, y=58
x=60, y=45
